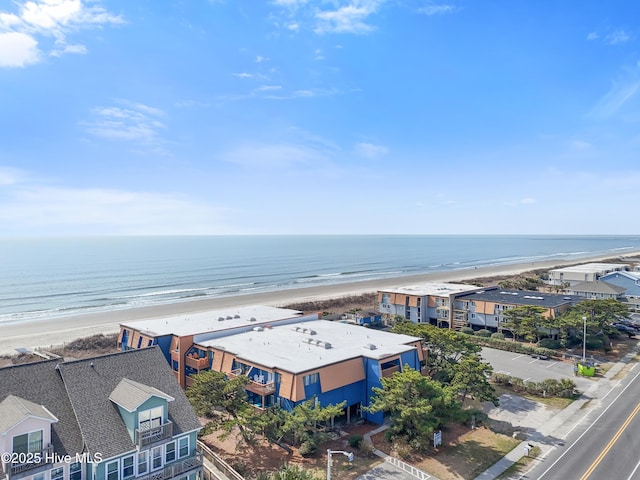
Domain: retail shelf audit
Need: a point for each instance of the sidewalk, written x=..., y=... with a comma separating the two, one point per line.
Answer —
x=540, y=437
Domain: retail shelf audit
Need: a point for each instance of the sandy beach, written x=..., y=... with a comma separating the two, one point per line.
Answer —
x=59, y=330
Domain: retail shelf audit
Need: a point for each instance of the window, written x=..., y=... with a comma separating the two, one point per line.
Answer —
x=39, y=476
x=156, y=458
x=170, y=452
x=127, y=467
x=152, y=418
x=28, y=443
x=175, y=365
x=58, y=473
x=112, y=471
x=143, y=459
x=183, y=447
x=311, y=379
x=75, y=471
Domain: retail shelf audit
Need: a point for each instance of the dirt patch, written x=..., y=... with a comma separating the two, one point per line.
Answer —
x=465, y=452
x=251, y=460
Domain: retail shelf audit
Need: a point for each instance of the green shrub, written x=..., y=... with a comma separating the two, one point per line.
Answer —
x=467, y=330
x=549, y=343
x=498, y=335
x=595, y=343
x=308, y=447
x=483, y=333
x=355, y=441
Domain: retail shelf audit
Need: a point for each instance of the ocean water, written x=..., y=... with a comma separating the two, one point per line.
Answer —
x=46, y=277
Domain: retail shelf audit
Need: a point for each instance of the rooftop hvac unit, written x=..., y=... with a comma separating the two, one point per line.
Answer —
x=369, y=346
x=258, y=329
x=229, y=317
x=253, y=319
x=236, y=315
x=327, y=345
x=221, y=319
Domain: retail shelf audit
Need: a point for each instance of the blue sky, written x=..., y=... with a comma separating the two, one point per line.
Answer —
x=319, y=116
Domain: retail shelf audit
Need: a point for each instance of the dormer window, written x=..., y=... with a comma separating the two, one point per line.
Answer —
x=28, y=442
x=149, y=419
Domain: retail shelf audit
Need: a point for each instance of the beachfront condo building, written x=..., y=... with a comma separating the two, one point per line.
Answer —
x=588, y=272
x=424, y=303
x=485, y=308
x=288, y=357
x=330, y=362
x=114, y=417
x=176, y=335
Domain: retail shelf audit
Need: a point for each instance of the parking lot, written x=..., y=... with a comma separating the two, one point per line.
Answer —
x=533, y=369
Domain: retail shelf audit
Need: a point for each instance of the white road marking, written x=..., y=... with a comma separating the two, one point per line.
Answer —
x=554, y=363
x=519, y=356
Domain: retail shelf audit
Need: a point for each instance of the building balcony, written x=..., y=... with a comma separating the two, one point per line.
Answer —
x=255, y=385
x=180, y=468
x=197, y=363
x=34, y=463
x=388, y=372
x=146, y=437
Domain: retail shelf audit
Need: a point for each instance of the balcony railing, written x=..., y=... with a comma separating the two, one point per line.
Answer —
x=148, y=436
x=255, y=385
x=176, y=469
x=34, y=461
x=197, y=363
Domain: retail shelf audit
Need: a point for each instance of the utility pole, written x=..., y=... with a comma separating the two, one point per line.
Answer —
x=584, y=340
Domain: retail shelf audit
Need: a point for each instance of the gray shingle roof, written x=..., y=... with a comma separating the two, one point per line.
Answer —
x=14, y=410
x=130, y=395
x=41, y=384
x=77, y=394
x=598, y=286
x=90, y=383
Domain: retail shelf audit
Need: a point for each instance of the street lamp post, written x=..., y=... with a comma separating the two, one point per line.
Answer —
x=349, y=455
x=584, y=340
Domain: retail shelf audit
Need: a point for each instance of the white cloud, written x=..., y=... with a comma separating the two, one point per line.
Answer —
x=370, y=150
x=293, y=27
x=136, y=122
x=10, y=176
x=621, y=92
x=279, y=156
x=528, y=201
x=580, y=145
x=434, y=9
x=18, y=50
x=593, y=36
x=268, y=88
x=350, y=18
x=40, y=20
x=41, y=209
x=617, y=37
x=260, y=59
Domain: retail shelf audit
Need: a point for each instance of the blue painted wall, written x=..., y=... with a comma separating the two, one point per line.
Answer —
x=632, y=286
x=165, y=345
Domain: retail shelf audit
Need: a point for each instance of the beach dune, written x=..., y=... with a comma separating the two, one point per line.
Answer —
x=56, y=331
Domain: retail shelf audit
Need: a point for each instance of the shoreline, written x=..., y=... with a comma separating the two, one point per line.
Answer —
x=59, y=330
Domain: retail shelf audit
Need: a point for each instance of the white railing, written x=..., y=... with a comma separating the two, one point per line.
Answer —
x=410, y=469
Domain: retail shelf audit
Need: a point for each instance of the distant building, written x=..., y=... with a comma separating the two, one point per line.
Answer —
x=486, y=307
x=425, y=303
x=115, y=417
x=598, y=290
x=588, y=272
x=175, y=335
x=629, y=281
x=329, y=361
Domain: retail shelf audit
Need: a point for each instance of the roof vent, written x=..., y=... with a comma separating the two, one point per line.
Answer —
x=311, y=332
x=253, y=319
x=258, y=329
x=327, y=345
x=221, y=319
x=236, y=315
x=229, y=317
x=369, y=346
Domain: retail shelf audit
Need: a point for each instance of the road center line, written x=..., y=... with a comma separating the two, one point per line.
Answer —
x=613, y=440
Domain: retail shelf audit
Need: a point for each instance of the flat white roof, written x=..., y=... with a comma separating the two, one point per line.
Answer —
x=436, y=289
x=591, y=267
x=298, y=350
x=211, y=321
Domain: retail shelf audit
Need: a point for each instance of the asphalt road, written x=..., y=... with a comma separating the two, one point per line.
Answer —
x=603, y=444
